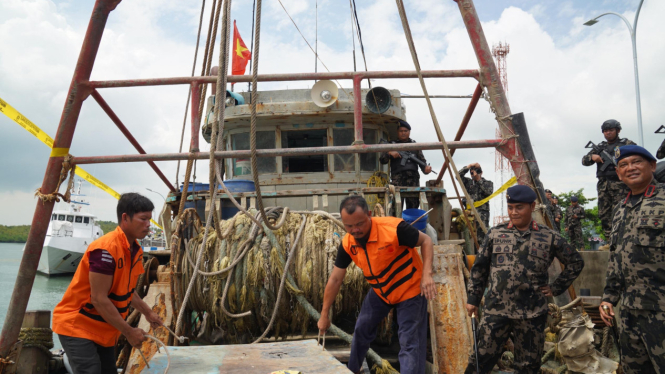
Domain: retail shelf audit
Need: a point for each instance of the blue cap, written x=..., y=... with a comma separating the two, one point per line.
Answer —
x=404, y=124
x=573, y=199
x=632, y=150
x=520, y=194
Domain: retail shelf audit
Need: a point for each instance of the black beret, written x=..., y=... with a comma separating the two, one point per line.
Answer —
x=573, y=199
x=520, y=194
x=632, y=150
x=404, y=124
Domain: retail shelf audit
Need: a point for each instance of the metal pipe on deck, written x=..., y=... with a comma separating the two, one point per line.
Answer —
x=196, y=118
x=461, y=73
x=63, y=140
x=347, y=149
x=104, y=105
x=357, y=112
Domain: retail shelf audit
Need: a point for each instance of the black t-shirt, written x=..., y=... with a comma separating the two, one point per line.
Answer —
x=407, y=235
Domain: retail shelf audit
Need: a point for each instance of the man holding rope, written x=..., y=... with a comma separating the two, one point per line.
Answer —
x=384, y=248
x=92, y=313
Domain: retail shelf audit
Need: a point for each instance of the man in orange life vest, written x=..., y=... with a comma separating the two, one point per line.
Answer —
x=91, y=315
x=383, y=247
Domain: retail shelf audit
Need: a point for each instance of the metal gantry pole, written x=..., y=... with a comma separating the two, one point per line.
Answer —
x=62, y=142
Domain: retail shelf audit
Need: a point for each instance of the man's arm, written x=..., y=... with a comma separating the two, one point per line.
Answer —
x=152, y=317
x=100, y=285
x=661, y=151
x=587, y=160
x=572, y=260
x=385, y=158
x=479, y=274
x=486, y=188
x=427, y=286
x=329, y=295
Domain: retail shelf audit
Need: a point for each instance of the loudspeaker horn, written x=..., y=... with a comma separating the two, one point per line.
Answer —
x=324, y=93
x=378, y=100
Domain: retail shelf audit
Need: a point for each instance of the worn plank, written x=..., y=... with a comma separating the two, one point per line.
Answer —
x=305, y=356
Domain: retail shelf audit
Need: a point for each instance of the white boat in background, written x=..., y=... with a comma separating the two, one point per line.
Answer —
x=68, y=236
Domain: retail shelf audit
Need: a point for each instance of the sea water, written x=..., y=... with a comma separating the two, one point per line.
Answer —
x=46, y=291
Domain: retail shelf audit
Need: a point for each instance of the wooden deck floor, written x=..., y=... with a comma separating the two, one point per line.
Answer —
x=305, y=356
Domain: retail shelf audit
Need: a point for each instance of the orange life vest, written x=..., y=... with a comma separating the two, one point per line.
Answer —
x=76, y=316
x=393, y=271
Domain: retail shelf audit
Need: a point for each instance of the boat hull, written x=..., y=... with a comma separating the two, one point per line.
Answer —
x=62, y=255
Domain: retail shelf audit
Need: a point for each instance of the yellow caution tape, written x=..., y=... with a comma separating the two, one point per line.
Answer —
x=22, y=121
x=505, y=186
x=59, y=152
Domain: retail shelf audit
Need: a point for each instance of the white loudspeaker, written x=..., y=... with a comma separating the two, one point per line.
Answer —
x=324, y=93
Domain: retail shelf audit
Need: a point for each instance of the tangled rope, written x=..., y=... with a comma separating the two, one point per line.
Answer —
x=37, y=337
x=67, y=166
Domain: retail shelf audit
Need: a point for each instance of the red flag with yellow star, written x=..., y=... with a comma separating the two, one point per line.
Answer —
x=241, y=55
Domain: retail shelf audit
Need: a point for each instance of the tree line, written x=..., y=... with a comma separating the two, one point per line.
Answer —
x=19, y=233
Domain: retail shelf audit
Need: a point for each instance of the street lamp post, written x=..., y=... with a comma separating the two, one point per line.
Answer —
x=156, y=193
x=633, y=32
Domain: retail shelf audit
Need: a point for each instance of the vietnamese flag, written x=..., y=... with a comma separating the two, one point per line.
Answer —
x=241, y=55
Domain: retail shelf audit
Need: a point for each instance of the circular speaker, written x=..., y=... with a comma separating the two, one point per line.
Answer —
x=378, y=100
x=324, y=93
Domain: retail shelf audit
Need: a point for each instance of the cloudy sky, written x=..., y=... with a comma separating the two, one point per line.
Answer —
x=567, y=78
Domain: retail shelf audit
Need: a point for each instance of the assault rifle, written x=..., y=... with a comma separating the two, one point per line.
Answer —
x=607, y=158
x=406, y=155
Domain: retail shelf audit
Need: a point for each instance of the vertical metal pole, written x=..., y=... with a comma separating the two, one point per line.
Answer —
x=357, y=110
x=640, y=136
x=196, y=119
x=63, y=140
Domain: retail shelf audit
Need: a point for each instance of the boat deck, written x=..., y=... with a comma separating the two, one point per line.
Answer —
x=304, y=356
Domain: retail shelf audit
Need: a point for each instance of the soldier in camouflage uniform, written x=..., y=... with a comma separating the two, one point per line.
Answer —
x=636, y=272
x=406, y=175
x=610, y=189
x=574, y=215
x=513, y=264
x=661, y=151
x=478, y=188
x=558, y=214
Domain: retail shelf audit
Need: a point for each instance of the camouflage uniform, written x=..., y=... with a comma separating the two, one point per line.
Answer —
x=661, y=151
x=636, y=274
x=478, y=191
x=610, y=189
x=574, y=226
x=514, y=266
x=555, y=211
x=406, y=175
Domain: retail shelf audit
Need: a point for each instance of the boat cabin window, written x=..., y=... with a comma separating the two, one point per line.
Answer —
x=61, y=217
x=78, y=219
x=86, y=220
x=344, y=162
x=302, y=139
x=264, y=140
x=70, y=218
x=368, y=161
x=54, y=217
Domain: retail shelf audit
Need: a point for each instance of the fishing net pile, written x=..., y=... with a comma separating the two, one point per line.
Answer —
x=254, y=280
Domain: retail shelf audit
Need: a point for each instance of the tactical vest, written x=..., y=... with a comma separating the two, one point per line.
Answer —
x=393, y=271
x=76, y=316
x=609, y=173
x=396, y=166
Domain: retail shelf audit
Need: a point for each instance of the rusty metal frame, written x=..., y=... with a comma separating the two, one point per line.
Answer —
x=81, y=87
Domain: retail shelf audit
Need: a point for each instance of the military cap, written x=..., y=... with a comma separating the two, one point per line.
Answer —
x=573, y=199
x=550, y=191
x=520, y=194
x=555, y=197
x=404, y=124
x=632, y=150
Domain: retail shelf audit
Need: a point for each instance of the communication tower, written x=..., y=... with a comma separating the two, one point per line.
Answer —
x=502, y=168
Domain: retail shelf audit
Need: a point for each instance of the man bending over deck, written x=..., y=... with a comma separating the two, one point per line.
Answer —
x=91, y=315
x=383, y=247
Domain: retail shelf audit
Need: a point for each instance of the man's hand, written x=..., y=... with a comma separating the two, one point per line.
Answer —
x=557, y=219
x=428, y=169
x=427, y=286
x=597, y=159
x=154, y=319
x=566, y=229
x=471, y=310
x=135, y=337
x=575, y=216
x=547, y=291
x=323, y=324
x=606, y=316
x=394, y=154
